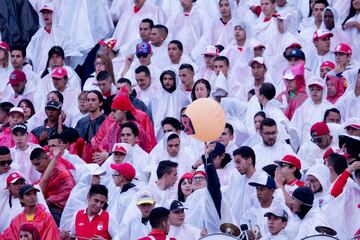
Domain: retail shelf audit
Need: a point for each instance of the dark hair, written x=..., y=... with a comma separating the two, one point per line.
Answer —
x=246, y=152
x=297, y=174
x=269, y=122
x=220, y=47
x=352, y=12
x=267, y=90
x=260, y=113
x=203, y=81
x=223, y=59
x=19, y=48
x=225, y=160
x=54, y=136
x=124, y=80
x=165, y=166
x=5, y=107
x=317, y=1
x=172, y=136
x=98, y=189
x=69, y=135
x=143, y=69
x=338, y=162
x=149, y=21
x=4, y=150
x=32, y=229
x=157, y=216
x=173, y=122
x=230, y=127
x=37, y=153
x=328, y=111
x=59, y=94
x=56, y=50
x=132, y=126
x=177, y=43
x=29, y=104
x=180, y=194
x=98, y=94
x=103, y=75
x=161, y=28
x=186, y=66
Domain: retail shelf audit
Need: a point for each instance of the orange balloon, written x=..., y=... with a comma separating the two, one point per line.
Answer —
x=207, y=118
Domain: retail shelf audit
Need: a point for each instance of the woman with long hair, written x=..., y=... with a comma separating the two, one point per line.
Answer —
x=102, y=63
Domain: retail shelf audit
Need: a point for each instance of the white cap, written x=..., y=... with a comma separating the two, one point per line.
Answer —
x=316, y=81
x=288, y=75
x=16, y=109
x=352, y=122
x=259, y=60
x=48, y=7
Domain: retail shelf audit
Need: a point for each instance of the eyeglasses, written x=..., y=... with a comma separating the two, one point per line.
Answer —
x=8, y=162
x=317, y=139
x=142, y=55
x=99, y=63
x=115, y=175
x=198, y=179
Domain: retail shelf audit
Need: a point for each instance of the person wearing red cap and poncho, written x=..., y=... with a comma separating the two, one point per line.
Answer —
x=326, y=67
x=109, y=131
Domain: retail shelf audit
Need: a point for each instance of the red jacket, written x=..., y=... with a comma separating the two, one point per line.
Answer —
x=43, y=221
x=158, y=235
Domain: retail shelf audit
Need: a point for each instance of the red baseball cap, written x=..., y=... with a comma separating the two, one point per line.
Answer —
x=290, y=159
x=187, y=176
x=13, y=177
x=343, y=48
x=328, y=64
x=110, y=42
x=125, y=169
x=118, y=147
x=59, y=72
x=4, y=45
x=321, y=34
x=319, y=129
x=17, y=76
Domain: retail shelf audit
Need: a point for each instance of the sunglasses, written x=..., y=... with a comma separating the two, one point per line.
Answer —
x=282, y=164
x=142, y=55
x=8, y=162
x=317, y=140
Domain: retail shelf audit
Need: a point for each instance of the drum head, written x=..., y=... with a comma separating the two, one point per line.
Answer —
x=218, y=236
x=319, y=237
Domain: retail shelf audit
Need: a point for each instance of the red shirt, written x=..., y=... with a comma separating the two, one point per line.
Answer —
x=98, y=226
x=158, y=235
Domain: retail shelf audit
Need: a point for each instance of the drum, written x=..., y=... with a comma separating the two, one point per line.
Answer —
x=218, y=236
x=319, y=237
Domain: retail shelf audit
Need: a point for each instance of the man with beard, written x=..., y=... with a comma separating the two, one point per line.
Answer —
x=168, y=102
x=271, y=148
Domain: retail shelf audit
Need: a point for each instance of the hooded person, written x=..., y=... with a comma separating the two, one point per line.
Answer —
x=78, y=196
x=349, y=26
x=336, y=87
x=123, y=153
x=295, y=93
x=238, y=51
x=331, y=22
x=46, y=37
x=221, y=31
x=169, y=101
x=175, y=151
x=312, y=110
x=318, y=179
x=349, y=99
